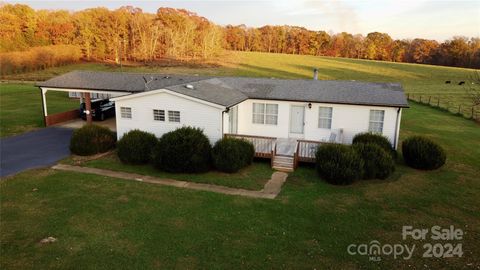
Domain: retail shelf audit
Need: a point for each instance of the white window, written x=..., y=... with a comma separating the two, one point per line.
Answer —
x=174, y=116
x=376, y=121
x=159, y=115
x=126, y=112
x=258, y=113
x=265, y=113
x=325, y=117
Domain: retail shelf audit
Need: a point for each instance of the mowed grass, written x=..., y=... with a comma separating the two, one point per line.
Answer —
x=106, y=223
x=425, y=80
x=252, y=177
x=419, y=80
x=21, y=107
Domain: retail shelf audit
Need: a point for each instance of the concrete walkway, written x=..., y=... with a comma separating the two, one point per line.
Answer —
x=271, y=189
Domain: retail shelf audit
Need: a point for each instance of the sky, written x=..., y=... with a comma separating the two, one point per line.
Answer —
x=439, y=20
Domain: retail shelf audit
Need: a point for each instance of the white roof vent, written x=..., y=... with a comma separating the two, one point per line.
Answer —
x=189, y=86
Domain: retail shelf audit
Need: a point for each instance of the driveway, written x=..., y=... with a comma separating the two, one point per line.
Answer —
x=34, y=149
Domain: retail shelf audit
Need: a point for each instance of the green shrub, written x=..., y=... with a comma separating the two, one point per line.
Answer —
x=92, y=139
x=136, y=147
x=377, y=163
x=338, y=164
x=186, y=149
x=230, y=154
x=422, y=153
x=380, y=140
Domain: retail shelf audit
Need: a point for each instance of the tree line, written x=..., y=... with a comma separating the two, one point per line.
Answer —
x=458, y=51
x=130, y=34
x=127, y=33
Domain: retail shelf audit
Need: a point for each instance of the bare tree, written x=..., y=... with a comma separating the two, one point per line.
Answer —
x=473, y=88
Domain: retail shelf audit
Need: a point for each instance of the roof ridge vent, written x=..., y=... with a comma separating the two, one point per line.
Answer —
x=189, y=86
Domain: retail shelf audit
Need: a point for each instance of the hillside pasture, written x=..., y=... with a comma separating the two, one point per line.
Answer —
x=418, y=80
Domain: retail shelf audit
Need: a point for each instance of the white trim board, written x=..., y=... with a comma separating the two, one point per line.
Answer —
x=158, y=91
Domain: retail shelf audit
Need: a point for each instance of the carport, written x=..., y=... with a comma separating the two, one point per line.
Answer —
x=72, y=118
x=85, y=85
x=67, y=116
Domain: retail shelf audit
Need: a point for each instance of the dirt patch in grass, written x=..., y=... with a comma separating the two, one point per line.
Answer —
x=408, y=184
x=186, y=262
x=123, y=198
x=340, y=202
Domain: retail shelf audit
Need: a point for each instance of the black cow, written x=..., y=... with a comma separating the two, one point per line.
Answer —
x=461, y=83
x=448, y=82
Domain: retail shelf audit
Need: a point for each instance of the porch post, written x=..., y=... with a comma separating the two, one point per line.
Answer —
x=44, y=101
x=44, y=105
x=88, y=107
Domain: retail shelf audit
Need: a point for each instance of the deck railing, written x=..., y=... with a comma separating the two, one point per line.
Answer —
x=264, y=146
x=295, y=154
x=306, y=150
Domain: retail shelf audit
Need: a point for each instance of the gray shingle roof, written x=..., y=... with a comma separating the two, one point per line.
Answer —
x=343, y=92
x=228, y=91
x=117, y=81
x=212, y=90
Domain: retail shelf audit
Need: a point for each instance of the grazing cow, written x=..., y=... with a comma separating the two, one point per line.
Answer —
x=448, y=82
x=461, y=83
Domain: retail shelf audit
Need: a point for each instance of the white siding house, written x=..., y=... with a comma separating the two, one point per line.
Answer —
x=298, y=120
x=281, y=117
x=162, y=111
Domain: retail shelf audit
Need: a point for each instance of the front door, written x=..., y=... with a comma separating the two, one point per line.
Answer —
x=297, y=121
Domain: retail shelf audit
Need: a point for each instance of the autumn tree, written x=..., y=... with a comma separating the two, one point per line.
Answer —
x=130, y=34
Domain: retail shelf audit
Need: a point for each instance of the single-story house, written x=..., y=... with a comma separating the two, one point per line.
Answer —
x=285, y=119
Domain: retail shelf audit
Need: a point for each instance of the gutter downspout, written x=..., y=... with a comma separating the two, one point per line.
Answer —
x=223, y=120
x=397, y=131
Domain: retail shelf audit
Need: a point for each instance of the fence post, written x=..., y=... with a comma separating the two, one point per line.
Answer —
x=429, y=98
x=459, y=108
x=438, y=102
x=420, y=98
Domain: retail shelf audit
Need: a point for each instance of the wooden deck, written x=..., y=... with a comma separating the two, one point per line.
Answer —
x=264, y=146
x=271, y=147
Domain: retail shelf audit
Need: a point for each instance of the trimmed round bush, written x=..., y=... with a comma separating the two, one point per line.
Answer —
x=422, y=153
x=380, y=140
x=92, y=139
x=377, y=163
x=186, y=149
x=338, y=164
x=231, y=154
x=136, y=147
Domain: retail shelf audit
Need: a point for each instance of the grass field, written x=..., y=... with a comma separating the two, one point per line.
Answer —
x=419, y=80
x=21, y=107
x=104, y=223
x=425, y=80
x=253, y=177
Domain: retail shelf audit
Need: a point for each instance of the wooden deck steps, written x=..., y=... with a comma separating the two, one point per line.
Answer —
x=283, y=163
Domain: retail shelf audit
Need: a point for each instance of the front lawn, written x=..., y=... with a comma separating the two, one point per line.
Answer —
x=252, y=177
x=21, y=107
x=106, y=223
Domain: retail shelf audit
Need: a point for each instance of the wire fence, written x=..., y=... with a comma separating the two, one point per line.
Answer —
x=469, y=112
